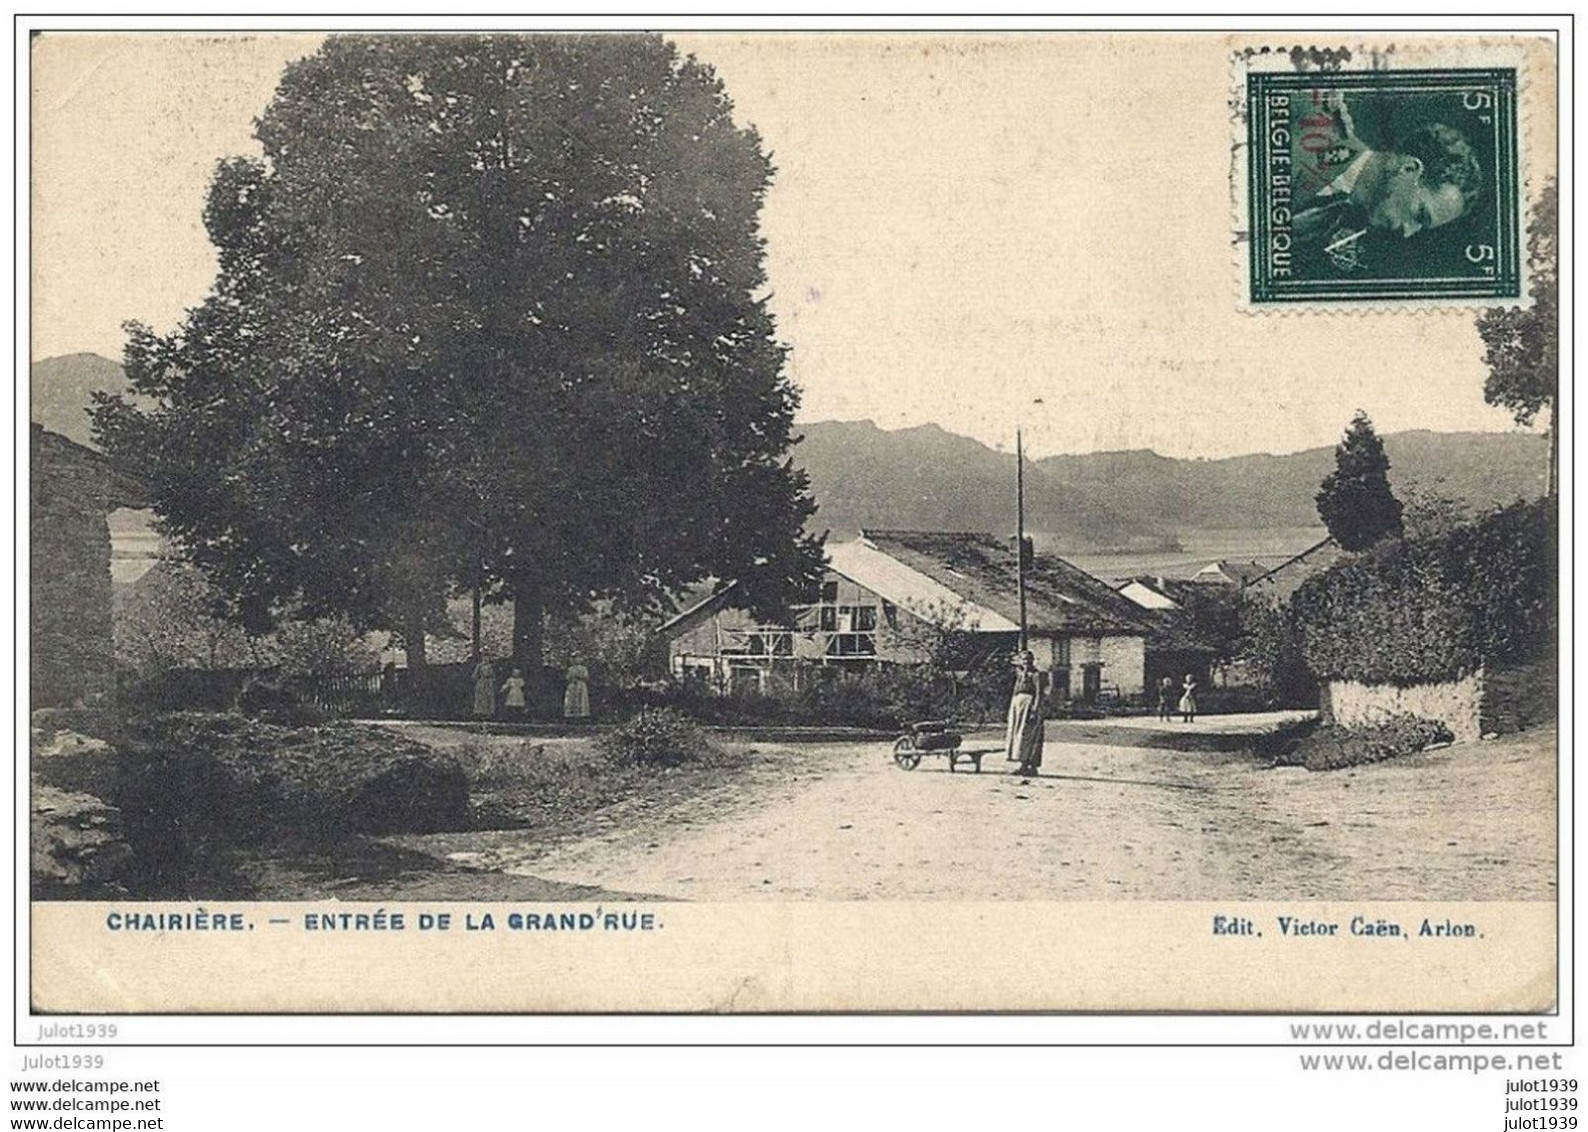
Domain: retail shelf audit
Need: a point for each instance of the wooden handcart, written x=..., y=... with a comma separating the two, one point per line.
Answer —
x=934, y=737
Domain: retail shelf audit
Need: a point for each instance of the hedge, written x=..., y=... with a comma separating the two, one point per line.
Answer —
x=1414, y=611
x=1335, y=747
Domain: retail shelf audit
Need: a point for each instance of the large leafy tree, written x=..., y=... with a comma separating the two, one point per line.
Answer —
x=1522, y=346
x=1355, y=500
x=489, y=312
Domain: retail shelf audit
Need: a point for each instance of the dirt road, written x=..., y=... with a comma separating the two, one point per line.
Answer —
x=1472, y=822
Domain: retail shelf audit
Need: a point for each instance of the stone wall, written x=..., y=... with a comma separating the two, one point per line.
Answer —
x=1456, y=703
x=1493, y=701
x=72, y=652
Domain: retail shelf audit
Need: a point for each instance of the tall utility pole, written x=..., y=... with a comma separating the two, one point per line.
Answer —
x=1020, y=533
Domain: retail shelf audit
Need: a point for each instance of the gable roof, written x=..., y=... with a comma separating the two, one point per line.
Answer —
x=909, y=587
x=116, y=487
x=982, y=571
x=1238, y=573
x=1283, y=580
x=691, y=615
x=1157, y=595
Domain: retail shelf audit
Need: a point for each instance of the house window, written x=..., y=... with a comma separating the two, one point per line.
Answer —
x=854, y=631
x=853, y=644
x=743, y=679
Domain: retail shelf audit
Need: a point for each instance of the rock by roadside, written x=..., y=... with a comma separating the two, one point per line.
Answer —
x=76, y=842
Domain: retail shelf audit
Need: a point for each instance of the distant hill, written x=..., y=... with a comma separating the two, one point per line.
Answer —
x=61, y=391
x=931, y=479
x=1480, y=469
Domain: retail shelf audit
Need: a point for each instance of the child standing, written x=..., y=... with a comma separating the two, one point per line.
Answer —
x=513, y=693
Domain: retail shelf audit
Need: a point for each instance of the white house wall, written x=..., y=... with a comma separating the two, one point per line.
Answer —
x=1124, y=662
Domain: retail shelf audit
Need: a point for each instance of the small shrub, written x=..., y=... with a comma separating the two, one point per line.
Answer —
x=658, y=737
x=275, y=702
x=180, y=689
x=1229, y=701
x=1336, y=747
x=884, y=698
x=192, y=786
x=493, y=762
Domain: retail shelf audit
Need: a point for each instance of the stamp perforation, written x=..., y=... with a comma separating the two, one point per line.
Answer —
x=1431, y=278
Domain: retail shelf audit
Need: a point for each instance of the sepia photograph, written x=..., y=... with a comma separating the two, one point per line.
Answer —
x=678, y=504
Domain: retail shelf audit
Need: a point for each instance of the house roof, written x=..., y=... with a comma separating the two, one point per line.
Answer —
x=1159, y=595
x=1282, y=580
x=1239, y=573
x=119, y=487
x=906, y=585
x=981, y=570
x=704, y=607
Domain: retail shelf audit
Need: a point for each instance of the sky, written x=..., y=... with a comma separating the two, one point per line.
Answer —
x=981, y=232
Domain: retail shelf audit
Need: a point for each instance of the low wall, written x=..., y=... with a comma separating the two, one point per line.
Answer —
x=1458, y=704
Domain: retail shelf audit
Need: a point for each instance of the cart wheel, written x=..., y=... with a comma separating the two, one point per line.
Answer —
x=905, y=754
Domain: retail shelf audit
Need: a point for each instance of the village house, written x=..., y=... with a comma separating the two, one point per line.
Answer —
x=1266, y=579
x=1253, y=580
x=1227, y=573
x=1178, y=645
x=71, y=491
x=887, y=595
x=1156, y=593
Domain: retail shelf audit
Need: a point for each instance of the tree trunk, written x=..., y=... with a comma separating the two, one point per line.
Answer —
x=528, y=614
x=1553, y=485
x=414, y=641
x=474, y=650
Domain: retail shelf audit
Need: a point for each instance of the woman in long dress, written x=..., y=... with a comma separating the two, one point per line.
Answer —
x=1188, y=699
x=1024, y=742
x=576, y=697
x=484, y=690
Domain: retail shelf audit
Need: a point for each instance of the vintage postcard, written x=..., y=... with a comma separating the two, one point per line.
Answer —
x=793, y=522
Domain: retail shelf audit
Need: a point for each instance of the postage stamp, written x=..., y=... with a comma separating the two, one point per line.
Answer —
x=1383, y=185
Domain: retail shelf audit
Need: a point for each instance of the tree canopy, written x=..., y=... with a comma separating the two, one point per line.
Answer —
x=1355, y=501
x=1522, y=345
x=489, y=311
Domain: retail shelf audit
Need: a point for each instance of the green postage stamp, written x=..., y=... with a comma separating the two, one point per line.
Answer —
x=1373, y=185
